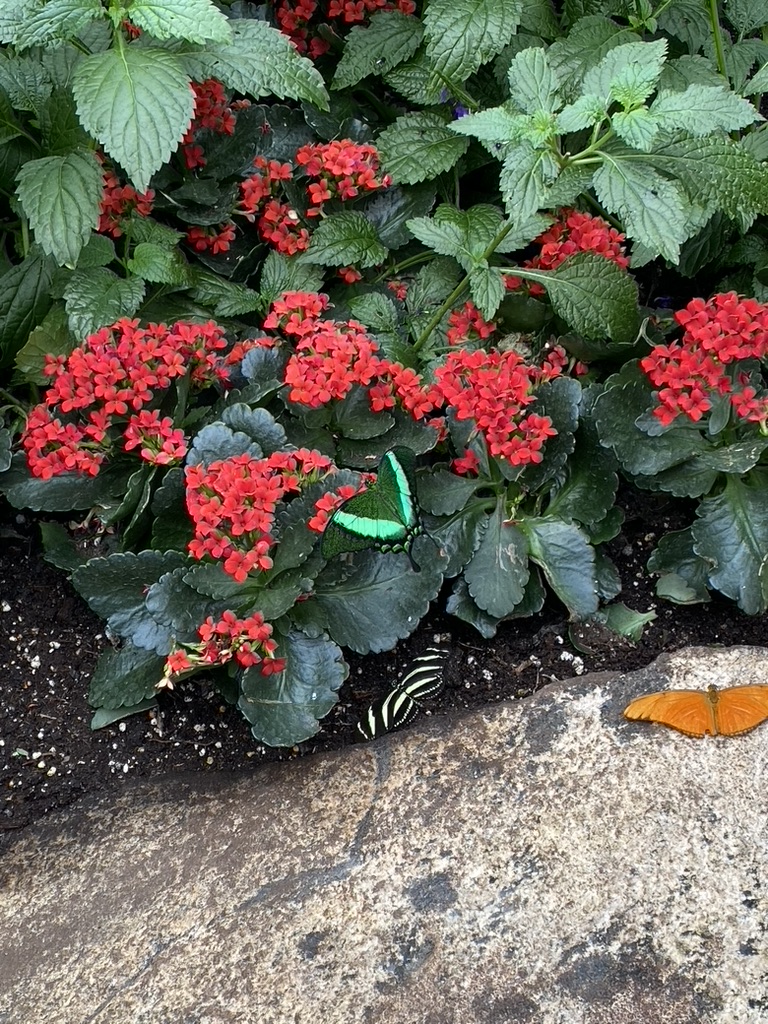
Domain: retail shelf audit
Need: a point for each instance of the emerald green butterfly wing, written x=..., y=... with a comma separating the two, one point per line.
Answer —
x=383, y=517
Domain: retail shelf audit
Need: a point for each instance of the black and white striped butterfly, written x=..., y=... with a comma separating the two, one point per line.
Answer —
x=424, y=679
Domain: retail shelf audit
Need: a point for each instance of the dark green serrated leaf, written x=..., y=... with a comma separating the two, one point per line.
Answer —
x=389, y=39
x=683, y=574
x=419, y=146
x=258, y=424
x=731, y=535
x=463, y=34
x=458, y=536
x=25, y=298
x=63, y=493
x=52, y=337
x=97, y=298
x=559, y=400
x=345, y=238
x=216, y=442
x=116, y=587
x=567, y=560
x=123, y=679
x=382, y=600
x=498, y=571
x=390, y=211
x=443, y=493
x=354, y=418
x=461, y=605
x=284, y=709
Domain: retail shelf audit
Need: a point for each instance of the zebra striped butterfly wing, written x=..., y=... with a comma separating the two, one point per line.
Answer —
x=424, y=679
x=383, y=517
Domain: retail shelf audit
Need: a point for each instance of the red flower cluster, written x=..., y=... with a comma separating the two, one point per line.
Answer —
x=467, y=324
x=330, y=357
x=232, y=503
x=294, y=17
x=116, y=373
x=212, y=111
x=343, y=168
x=716, y=334
x=249, y=641
x=278, y=223
x=493, y=389
x=215, y=239
x=118, y=201
x=573, y=232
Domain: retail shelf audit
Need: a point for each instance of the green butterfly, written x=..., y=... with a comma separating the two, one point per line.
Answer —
x=383, y=517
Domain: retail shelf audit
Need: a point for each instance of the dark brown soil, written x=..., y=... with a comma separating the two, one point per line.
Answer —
x=50, y=640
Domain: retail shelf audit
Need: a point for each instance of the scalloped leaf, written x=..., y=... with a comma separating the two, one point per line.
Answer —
x=35, y=24
x=138, y=103
x=344, y=238
x=195, y=20
x=123, y=679
x=390, y=38
x=463, y=34
x=498, y=571
x=25, y=298
x=381, y=600
x=285, y=708
x=567, y=560
x=116, y=588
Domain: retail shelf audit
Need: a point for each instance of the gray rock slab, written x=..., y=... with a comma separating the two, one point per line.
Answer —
x=542, y=861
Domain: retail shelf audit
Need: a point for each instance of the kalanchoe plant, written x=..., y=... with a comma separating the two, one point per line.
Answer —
x=691, y=420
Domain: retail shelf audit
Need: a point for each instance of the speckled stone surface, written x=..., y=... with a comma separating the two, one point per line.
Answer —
x=540, y=862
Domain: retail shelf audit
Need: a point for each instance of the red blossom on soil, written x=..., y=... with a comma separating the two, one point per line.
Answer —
x=233, y=501
x=493, y=389
x=573, y=232
x=110, y=379
x=716, y=334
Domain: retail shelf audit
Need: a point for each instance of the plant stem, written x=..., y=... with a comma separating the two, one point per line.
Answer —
x=717, y=37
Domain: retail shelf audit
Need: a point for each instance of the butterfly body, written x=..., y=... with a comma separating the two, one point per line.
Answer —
x=383, y=517
x=423, y=680
x=714, y=712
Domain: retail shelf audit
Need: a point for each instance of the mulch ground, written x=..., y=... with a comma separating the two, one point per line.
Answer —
x=50, y=641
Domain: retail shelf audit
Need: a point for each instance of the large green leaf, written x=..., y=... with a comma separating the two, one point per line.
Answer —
x=731, y=535
x=61, y=196
x=138, y=103
x=25, y=298
x=683, y=575
x=96, y=298
x=498, y=571
x=419, y=146
x=63, y=493
x=568, y=561
x=125, y=677
x=463, y=34
x=442, y=492
x=592, y=294
x=381, y=601
x=344, y=238
x=195, y=20
x=260, y=61
x=116, y=587
x=391, y=37
x=284, y=709
x=28, y=23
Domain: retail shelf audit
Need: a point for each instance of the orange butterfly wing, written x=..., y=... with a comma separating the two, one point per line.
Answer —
x=688, y=711
x=740, y=709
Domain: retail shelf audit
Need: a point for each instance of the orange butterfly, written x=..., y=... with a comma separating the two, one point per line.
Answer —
x=727, y=712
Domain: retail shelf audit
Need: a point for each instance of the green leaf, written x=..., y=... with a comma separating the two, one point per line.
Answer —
x=559, y=400
x=257, y=424
x=390, y=38
x=568, y=561
x=284, y=709
x=703, y=110
x=526, y=175
x=280, y=274
x=116, y=588
x=636, y=127
x=26, y=82
x=592, y=294
x=381, y=600
x=731, y=535
x=650, y=206
x=61, y=493
x=486, y=286
x=419, y=146
x=716, y=171
x=52, y=337
x=683, y=575
x=260, y=61
x=216, y=442
x=589, y=489
x=458, y=536
x=99, y=251
x=60, y=196
x=442, y=492
x=390, y=211
x=344, y=238
x=96, y=298
x=538, y=17
x=25, y=298
x=158, y=264
x=138, y=103
x=498, y=571
x=464, y=234
x=759, y=83
x=586, y=111
x=496, y=125
x=108, y=716
x=626, y=397
x=590, y=39
x=194, y=20
x=463, y=34
x=124, y=678
x=354, y=418
x=532, y=82
x=60, y=126
x=225, y=298
x=415, y=80
x=35, y=23
x=461, y=605
x=627, y=73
